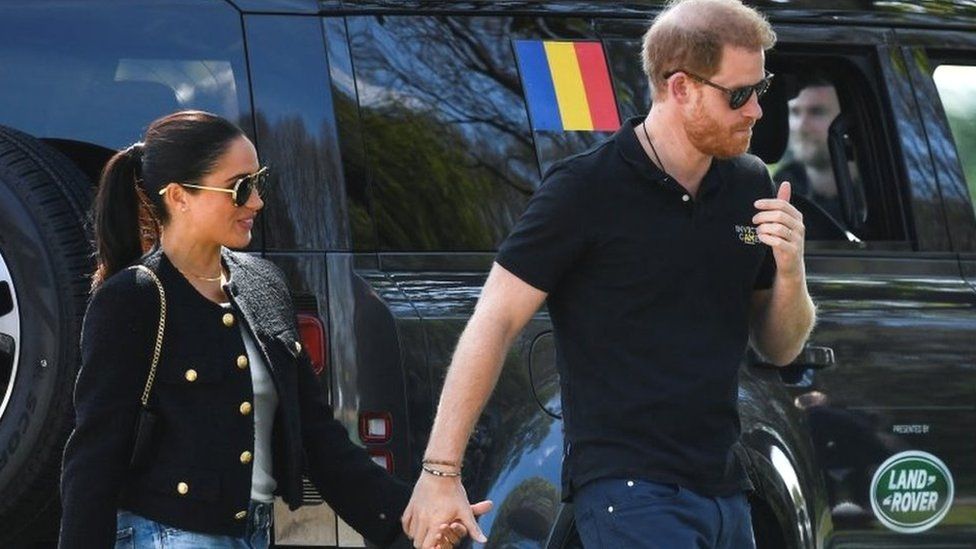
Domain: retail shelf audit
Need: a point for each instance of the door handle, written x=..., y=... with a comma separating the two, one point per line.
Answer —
x=814, y=356
x=800, y=371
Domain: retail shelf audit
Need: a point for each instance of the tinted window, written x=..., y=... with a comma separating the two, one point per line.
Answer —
x=101, y=71
x=449, y=154
x=807, y=163
x=834, y=156
x=957, y=89
x=343, y=89
x=630, y=82
x=566, y=79
x=304, y=205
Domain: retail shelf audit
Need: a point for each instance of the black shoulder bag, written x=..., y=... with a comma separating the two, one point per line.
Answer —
x=146, y=423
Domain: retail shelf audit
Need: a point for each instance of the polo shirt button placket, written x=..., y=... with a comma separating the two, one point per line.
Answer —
x=692, y=208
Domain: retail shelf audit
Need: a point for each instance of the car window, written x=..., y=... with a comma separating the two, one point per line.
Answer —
x=815, y=113
x=835, y=155
x=101, y=71
x=569, y=94
x=807, y=162
x=957, y=90
x=446, y=132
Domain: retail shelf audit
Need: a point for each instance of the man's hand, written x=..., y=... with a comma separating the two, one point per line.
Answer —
x=780, y=226
x=506, y=304
x=783, y=316
x=437, y=501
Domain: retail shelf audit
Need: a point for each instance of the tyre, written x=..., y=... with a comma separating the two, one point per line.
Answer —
x=45, y=263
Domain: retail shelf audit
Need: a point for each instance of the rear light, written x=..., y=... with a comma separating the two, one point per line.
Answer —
x=383, y=458
x=375, y=427
x=314, y=341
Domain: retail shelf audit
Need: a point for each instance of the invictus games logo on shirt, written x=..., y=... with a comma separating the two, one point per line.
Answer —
x=911, y=492
x=747, y=234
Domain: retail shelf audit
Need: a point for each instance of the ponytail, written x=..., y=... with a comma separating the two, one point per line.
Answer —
x=125, y=221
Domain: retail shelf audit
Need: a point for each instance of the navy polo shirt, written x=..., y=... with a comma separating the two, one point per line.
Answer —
x=649, y=294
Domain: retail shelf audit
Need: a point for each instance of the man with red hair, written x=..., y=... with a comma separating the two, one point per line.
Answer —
x=660, y=253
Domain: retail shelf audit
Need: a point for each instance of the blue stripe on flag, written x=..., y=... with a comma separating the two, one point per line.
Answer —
x=540, y=94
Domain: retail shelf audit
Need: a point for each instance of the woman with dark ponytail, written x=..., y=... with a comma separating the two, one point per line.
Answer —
x=118, y=228
x=238, y=413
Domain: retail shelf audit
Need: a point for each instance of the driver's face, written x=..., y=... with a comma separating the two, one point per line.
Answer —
x=810, y=116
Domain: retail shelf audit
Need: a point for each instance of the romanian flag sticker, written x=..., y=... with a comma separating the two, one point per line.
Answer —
x=567, y=86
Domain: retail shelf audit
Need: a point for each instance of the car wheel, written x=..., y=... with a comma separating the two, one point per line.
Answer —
x=45, y=263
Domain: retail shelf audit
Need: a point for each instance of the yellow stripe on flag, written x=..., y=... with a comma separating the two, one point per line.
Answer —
x=570, y=93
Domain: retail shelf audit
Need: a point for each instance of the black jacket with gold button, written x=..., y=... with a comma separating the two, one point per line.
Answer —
x=199, y=477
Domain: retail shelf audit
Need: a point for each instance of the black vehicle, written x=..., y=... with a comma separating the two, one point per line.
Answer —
x=404, y=146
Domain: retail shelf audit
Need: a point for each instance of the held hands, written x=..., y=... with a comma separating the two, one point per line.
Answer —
x=449, y=535
x=780, y=226
x=439, y=514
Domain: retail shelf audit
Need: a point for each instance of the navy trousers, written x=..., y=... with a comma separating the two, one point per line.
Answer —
x=632, y=513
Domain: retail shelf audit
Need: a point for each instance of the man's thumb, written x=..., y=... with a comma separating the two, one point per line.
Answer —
x=784, y=192
x=473, y=529
x=482, y=507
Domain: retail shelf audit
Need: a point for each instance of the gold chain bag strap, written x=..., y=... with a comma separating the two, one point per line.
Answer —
x=146, y=422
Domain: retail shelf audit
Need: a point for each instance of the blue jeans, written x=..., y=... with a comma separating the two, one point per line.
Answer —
x=632, y=513
x=136, y=532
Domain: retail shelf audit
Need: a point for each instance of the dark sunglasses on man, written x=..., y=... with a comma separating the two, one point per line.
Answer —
x=737, y=96
x=241, y=191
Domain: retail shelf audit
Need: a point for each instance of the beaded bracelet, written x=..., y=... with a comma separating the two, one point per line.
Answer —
x=437, y=473
x=440, y=462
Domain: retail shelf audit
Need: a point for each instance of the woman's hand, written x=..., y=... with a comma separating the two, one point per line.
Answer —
x=448, y=536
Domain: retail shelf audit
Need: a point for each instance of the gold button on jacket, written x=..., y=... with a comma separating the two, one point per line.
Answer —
x=183, y=488
x=242, y=362
x=246, y=457
x=228, y=320
x=191, y=375
x=245, y=408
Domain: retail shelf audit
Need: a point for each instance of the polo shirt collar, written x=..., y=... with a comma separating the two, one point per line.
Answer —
x=632, y=152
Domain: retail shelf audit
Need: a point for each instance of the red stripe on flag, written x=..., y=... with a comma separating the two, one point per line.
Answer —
x=596, y=82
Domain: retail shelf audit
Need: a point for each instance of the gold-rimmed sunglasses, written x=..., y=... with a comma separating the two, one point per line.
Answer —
x=241, y=191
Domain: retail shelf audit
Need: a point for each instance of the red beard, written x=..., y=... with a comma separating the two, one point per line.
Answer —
x=708, y=136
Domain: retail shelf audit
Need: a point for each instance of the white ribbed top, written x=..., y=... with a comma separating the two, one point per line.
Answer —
x=265, y=404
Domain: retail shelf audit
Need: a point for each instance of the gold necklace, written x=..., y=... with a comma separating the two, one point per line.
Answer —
x=217, y=278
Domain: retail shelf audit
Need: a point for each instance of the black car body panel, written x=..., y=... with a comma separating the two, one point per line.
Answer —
x=402, y=153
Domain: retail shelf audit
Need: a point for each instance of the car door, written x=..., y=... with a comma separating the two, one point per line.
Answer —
x=943, y=75
x=888, y=387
